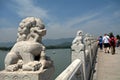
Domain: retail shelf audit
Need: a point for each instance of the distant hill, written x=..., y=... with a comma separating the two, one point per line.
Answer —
x=46, y=42
x=6, y=44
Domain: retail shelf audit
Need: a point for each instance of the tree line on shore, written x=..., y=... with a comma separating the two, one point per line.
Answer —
x=5, y=48
x=60, y=46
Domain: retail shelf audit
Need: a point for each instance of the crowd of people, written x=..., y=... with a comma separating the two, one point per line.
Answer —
x=108, y=43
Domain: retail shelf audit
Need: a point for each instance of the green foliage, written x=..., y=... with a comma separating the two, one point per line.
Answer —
x=60, y=46
x=110, y=34
x=118, y=36
x=5, y=48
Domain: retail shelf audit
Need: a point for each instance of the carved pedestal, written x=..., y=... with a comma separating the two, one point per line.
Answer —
x=27, y=75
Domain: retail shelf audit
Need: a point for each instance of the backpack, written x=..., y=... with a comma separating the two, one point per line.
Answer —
x=112, y=42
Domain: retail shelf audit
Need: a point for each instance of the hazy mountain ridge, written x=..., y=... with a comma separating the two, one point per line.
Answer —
x=6, y=44
x=46, y=42
x=49, y=42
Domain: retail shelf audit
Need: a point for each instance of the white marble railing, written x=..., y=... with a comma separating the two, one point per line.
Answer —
x=74, y=69
x=84, y=51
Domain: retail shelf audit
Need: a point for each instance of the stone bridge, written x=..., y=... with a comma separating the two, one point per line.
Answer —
x=27, y=59
x=89, y=62
x=107, y=66
x=84, y=50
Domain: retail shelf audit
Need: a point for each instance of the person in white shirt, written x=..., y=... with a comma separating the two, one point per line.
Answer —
x=106, y=43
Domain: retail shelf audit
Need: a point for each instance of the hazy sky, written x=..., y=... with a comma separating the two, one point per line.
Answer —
x=63, y=18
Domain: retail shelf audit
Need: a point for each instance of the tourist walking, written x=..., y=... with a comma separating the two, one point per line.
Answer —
x=106, y=43
x=100, y=42
x=117, y=42
x=112, y=44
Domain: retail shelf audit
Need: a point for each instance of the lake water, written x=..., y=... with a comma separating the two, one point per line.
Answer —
x=61, y=58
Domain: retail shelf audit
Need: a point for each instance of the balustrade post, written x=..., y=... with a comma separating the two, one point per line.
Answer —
x=78, y=50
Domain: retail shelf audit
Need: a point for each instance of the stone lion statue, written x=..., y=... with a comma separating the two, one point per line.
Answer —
x=28, y=53
x=77, y=44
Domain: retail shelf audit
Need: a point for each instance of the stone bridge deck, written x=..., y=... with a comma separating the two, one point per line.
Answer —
x=108, y=66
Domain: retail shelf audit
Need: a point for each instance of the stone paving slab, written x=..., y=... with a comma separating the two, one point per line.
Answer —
x=108, y=65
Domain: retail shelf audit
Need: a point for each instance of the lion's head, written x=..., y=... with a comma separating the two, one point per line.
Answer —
x=31, y=27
